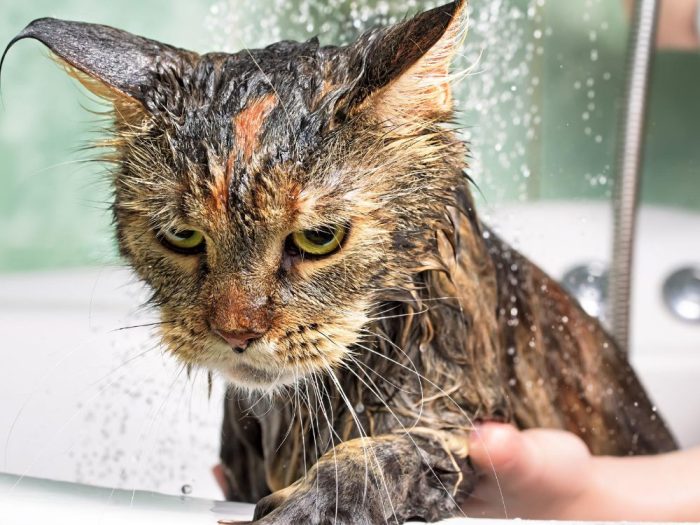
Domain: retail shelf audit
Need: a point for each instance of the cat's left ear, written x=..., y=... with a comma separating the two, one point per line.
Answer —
x=116, y=65
x=405, y=67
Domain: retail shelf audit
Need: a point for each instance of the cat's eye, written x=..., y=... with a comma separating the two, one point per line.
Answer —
x=318, y=241
x=183, y=241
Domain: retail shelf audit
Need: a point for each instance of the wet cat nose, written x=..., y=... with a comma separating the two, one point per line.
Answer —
x=238, y=339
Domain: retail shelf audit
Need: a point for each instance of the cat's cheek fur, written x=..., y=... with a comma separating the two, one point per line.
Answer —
x=152, y=261
x=281, y=358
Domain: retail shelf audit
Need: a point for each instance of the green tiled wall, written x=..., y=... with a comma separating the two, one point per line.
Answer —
x=53, y=208
x=584, y=63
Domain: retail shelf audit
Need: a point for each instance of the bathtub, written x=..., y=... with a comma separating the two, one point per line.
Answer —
x=87, y=397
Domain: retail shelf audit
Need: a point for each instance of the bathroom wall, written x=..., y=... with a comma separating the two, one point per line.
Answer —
x=581, y=89
x=53, y=205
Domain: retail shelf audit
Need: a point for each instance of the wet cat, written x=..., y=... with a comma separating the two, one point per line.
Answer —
x=302, y=215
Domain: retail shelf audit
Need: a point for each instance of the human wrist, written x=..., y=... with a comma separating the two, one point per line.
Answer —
x=631, y=488
x=609, y=494
x=596, y=498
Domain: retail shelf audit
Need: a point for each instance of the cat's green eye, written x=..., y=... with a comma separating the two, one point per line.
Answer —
x=320, y=241
x=183, y=241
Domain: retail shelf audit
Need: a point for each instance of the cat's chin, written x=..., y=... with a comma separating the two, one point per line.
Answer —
x=260, y=370
x=252, y=378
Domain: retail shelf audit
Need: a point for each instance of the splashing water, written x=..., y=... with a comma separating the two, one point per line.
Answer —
x=496, y=104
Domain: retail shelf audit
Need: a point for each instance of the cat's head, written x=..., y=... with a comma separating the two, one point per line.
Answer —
x=272, y=198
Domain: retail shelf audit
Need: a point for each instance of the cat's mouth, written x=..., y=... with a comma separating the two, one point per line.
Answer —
x=260, y=368
x=282, y=357
x=268, y=364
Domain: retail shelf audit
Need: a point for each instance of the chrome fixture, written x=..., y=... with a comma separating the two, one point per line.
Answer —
x=682, y=294
x=588, y=283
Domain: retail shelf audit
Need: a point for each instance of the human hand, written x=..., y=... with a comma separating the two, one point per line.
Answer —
x=537, y=474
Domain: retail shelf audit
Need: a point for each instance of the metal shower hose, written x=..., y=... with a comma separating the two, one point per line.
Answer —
x=629, y=164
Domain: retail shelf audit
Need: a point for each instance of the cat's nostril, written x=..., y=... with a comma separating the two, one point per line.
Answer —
x=238, y=339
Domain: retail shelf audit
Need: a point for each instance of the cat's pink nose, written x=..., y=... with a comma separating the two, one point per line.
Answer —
x=238, y=339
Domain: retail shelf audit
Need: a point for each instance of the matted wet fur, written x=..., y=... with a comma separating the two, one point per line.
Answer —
x=359, y=373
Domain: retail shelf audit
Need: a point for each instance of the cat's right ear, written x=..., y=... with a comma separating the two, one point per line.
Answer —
x=115, y=65
x=403, y=71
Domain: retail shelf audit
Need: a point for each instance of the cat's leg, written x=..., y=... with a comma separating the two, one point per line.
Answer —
x=241, y=452
x=423, y=474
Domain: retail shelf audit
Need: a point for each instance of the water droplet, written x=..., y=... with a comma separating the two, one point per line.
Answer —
x=359, y=408
x=186, y=489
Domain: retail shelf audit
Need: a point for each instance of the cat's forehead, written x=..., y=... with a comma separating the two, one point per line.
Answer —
x=265, y=105
x=243, y=126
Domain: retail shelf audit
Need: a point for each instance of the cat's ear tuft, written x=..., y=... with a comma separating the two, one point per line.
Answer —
x=405, y=67
x=114, y=64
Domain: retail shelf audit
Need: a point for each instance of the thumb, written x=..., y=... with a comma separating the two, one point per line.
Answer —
x=501, y=449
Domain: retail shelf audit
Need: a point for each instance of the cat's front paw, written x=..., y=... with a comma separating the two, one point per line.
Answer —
x=319, y=500
x=387, y=479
